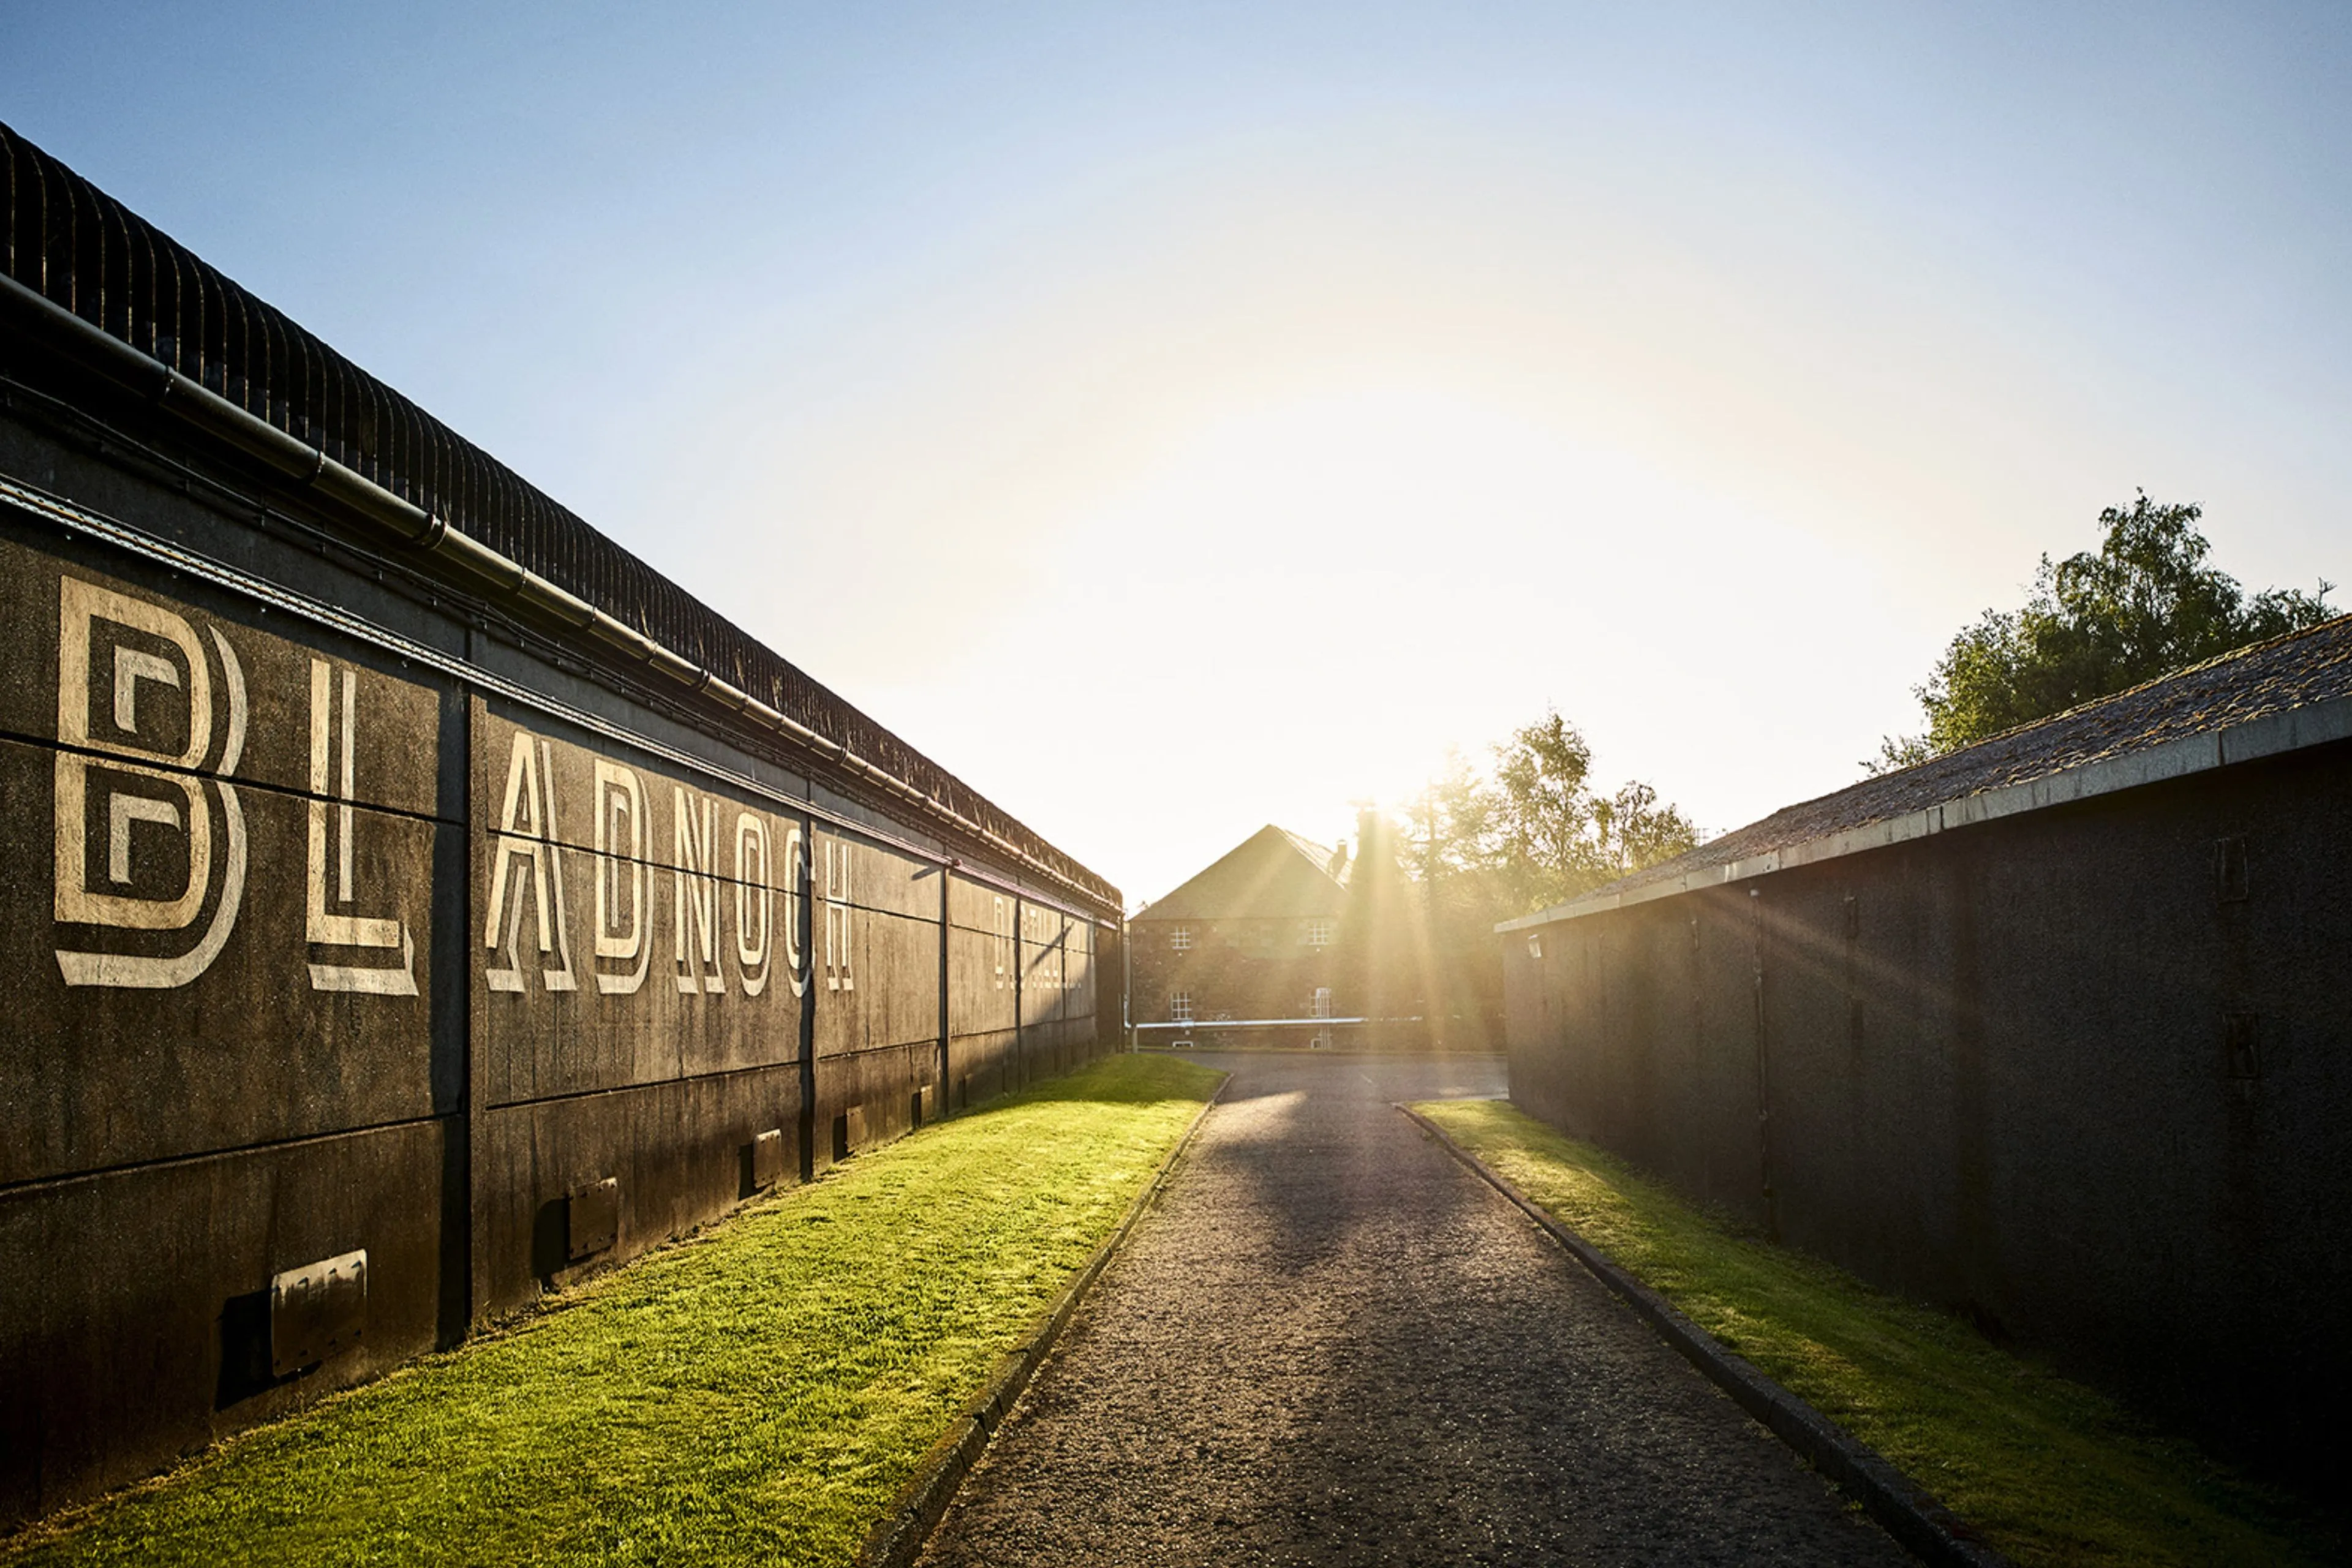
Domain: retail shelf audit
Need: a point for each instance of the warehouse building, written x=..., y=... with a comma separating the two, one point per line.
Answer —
x=2054, y=1031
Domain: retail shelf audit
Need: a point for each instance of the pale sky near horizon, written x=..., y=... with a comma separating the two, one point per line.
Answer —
x=1177, y=418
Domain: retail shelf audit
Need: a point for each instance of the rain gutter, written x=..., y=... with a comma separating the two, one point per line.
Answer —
x=494, y=575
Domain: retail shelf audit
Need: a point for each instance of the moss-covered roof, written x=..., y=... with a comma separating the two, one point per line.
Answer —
x=2253, y=683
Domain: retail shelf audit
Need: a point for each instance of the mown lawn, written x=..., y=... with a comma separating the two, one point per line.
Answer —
x=2050, y=1471
x=758, y=1394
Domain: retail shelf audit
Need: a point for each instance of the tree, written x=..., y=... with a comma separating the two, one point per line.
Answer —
x=1555, y=836
x=1478, y=849
x=2144, y=605
x=1543, y=775
x=1454, y=824
x=1633, y=830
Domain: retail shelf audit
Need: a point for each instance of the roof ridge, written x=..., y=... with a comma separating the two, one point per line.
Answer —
x=2228, y=689
x=1190, y=891
x=1319, y=853
x=2209, y=662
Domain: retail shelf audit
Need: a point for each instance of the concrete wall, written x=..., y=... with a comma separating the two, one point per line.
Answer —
x=332, y=921
x=2082, y=1074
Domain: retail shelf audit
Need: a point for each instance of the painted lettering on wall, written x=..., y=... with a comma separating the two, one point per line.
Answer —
x=1047, y=931
x=796, y=877
x=334, y=920
x=731, y=876
x=755, y=901
x=620, y=938
x=840, y=971
x=139, y=839
x=527, y=876
x=1001, y=924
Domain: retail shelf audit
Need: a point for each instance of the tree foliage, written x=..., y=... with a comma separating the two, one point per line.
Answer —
x=1538, y=830
x=1560, y=836
x=2145, y=604
x=1480, y=847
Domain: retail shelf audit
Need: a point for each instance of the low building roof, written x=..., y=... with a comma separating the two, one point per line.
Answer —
x=2281, y=695
x=1273, y=874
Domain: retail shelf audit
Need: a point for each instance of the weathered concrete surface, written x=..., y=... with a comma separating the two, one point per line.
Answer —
x=1330, y=1343
x=315, y=947
x=139, y=1295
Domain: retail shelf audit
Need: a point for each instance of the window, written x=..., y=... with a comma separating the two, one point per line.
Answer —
x=1319, y=933
x=1179, y=1007
x=1181, y=938
x=1322, y=1003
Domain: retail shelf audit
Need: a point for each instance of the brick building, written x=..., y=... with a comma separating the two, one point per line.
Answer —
x=1251, y=938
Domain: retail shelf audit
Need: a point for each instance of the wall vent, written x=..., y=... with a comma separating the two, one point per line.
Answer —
x=317, y=1311
x=767, y=1159
x=592, y=1218
x=850, y=1132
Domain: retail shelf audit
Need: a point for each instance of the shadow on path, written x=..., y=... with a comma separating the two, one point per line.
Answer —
x=1329, y=1343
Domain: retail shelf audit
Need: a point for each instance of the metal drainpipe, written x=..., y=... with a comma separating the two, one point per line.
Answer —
x=1020, y=1008
x=1763, y=1069
x=947, y=943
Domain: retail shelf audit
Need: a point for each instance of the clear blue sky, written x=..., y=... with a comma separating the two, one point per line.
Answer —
x=1179, y=418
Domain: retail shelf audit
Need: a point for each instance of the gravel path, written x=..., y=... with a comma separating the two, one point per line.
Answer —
x=1329, y=1343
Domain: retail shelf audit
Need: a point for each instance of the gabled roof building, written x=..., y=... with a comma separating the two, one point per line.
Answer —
x=1243, y=946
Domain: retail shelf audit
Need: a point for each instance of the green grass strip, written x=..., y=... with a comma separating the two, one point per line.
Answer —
x=758, y=1394
x=2050, y=1471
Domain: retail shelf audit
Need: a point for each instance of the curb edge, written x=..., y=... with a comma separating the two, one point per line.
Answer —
x=907, y=1522
x=1924, y=1527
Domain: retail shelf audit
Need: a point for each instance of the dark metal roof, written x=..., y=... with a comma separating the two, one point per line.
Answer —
x=2236, y=689
x=79, y=247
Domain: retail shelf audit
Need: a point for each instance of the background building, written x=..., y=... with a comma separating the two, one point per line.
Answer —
x=1256, y=935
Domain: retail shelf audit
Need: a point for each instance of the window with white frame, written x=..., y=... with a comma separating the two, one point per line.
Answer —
x=1180, y=1006
x=1181, y=938
x=1322, y=1003
x=1319, y=933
